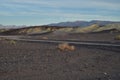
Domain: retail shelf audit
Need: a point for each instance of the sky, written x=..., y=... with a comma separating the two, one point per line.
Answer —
x=41, y=12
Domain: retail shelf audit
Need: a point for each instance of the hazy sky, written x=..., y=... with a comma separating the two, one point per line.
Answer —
x=39, y=12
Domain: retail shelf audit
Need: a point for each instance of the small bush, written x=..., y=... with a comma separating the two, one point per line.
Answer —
x=0, y=38
x=4, y=39
x=44, y=37
x=13, y=42
x=66, y=47
x=117, y=37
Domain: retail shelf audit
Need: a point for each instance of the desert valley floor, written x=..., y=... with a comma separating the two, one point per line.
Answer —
x=43, y=61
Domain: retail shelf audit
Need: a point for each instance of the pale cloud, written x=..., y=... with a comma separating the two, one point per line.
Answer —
x=4, y=13
x=67, y=3
x=61, y=10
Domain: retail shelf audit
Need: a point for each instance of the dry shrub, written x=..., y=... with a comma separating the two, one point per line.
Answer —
x=44, y=37
x=2, y=38
x=117, y=37
x=66, y=47
x=13, y=42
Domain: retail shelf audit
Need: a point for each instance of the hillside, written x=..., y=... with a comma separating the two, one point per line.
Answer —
x=90, y=29
x=28, y=30
x=109, y=27
x=87, y=29
x=55, y=29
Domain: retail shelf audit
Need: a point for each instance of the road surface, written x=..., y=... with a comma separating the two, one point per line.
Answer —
x=90, y=43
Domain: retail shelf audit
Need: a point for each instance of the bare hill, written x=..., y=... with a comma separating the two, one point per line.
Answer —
x=55, y=29
x=109, y=27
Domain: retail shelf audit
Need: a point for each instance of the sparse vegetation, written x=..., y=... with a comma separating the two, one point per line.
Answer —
x=2, y=30
x=65, y=29
x=1, y=38
x=65, y=59
x=13, y=42
x=108, y=27
x=86, y=29
x=44, y=37
x=117, y=37
x=66, y=47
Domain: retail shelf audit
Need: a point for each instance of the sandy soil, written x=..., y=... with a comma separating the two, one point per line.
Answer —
x=41, y=61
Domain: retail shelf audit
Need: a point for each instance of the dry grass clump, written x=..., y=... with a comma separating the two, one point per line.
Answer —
x=13, y=42
x=66, y=47
x=2, y=38
x=117, y=37
x=44, y=37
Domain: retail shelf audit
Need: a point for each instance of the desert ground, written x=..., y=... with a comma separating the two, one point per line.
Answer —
x=44, y=61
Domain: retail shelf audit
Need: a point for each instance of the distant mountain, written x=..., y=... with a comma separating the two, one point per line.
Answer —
x=10, y=26
x=2, y=26
x=83, y=23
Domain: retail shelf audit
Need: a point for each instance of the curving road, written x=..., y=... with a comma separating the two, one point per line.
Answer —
x=90, y=43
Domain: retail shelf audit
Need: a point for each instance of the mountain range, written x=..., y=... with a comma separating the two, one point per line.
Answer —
x=83, y=23
x=114, y=27
x=68, y=24
x=11, y=26
x=70, y=27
